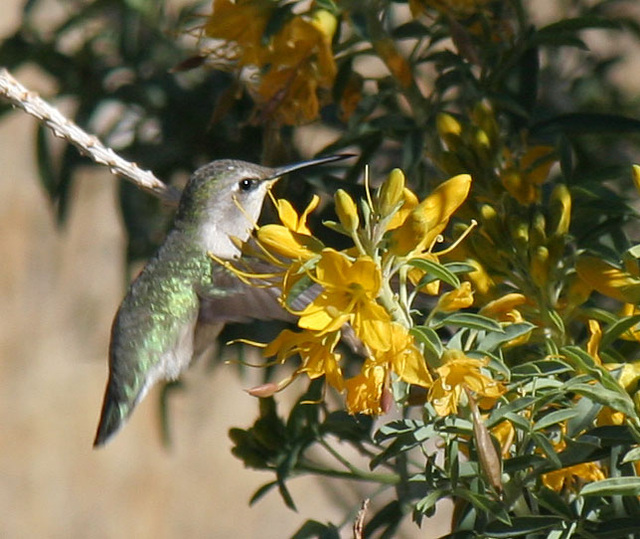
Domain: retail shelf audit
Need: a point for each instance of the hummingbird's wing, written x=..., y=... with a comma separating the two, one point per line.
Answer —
x=228, y=299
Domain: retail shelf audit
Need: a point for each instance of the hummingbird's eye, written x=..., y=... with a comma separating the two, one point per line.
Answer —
x=247, y=184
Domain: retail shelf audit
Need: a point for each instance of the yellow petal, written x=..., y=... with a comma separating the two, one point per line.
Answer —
x=429, y=218
x=410, y=201
x=457, y=299
x=502, y=305
x=608, y=279
x=364, y=391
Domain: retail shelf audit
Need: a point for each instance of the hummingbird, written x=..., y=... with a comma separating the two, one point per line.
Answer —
x=177, y=305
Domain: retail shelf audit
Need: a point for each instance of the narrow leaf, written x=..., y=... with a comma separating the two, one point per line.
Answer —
x=435, y=271
x=471, y=321
x=613, y=486
x=429, y=337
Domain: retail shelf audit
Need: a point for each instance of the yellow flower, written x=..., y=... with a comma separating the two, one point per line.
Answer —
x=288, y=95
x=409, y=202
x=572, y=477
x=294, y=64
x=404, y=358
x=349, y=295
x=460, y=298
x=316, y=352
x=429, y=218
x=364, y=391
x=292, y=239
x=242, y=22
x=300, y=62
x=608, y=416
x=504, y=309
x=608, y=279
x=458, y=372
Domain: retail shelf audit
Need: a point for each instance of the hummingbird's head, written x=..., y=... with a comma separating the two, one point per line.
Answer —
x=224, y=198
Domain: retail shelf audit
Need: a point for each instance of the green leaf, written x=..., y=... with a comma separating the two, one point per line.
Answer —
x=428, y=337
x=618, y=328
x=554, y=502
x=555, y=417
x=543, y=443
x=587, y=22
x=347, y=427
x=495, y=339
x=548, y=367
x=597, y=393
x=520, y=526
x=615, y=528
x=410, y=30
x=403, y=442
x=471, y=321
x=484, y=503
x=433, y=271
x=459, y=267
x=580, y=123
x=613, y=486
x=264, y=489
x=396, y=428
x=585, y=363
x=427, y=504
x=632, y=456
x=313, y=528
x=514, y=406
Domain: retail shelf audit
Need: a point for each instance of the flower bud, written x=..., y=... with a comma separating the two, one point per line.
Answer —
x=449, y=129
x=560, y=210
x=391, y=192
x=537, y=234
x=448, y=125
x=263, y=390
x=347, y=210
x=491, y=221
x=539, y=267
x=635, y=176
x=326, y=22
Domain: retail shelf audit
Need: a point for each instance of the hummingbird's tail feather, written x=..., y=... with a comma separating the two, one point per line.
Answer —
x=116, y=409
x=111, y=420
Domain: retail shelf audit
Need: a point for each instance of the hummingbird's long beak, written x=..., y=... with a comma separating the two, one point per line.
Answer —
x=281, y=171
